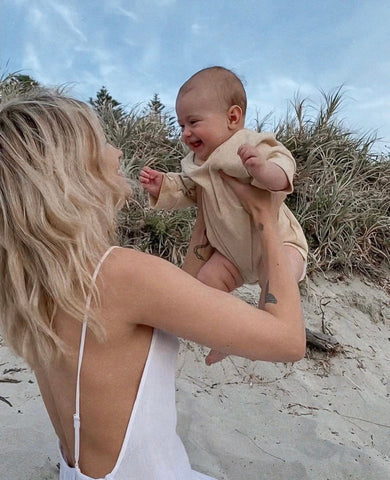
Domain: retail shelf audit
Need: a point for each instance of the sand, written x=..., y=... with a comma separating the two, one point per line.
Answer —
x=326, y=417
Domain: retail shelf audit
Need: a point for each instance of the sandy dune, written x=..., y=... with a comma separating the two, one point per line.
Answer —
x=326, y=417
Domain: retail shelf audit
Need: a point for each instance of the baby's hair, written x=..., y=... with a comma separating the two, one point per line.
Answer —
x=228, y=85
x=57, y=213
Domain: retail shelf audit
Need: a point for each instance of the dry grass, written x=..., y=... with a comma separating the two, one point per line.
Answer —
x=342, y=189
x=148, y=139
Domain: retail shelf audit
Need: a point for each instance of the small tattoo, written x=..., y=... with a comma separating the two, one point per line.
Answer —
x=269, y=297
x=198, y=255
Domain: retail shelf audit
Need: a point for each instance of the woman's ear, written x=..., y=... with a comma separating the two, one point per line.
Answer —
x=235, y=117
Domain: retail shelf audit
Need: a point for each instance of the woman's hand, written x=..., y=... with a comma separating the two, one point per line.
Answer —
x=253, y=199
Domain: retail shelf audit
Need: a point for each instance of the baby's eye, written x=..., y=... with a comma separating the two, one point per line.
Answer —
x=193, y=122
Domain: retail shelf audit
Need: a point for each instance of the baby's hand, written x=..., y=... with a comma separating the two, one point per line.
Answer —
x=268, y=175
x=253, y=162
x=251, y=159
x=151, y=180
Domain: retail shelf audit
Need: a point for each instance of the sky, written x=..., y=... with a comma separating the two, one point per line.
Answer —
x=281, y=49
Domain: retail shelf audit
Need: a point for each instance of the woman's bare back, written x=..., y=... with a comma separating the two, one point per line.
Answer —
x=110, y=376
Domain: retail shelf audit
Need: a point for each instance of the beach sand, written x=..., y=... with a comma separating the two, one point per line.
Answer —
x=325, y=417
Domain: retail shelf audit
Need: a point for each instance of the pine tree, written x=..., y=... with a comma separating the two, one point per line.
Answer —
x=156, y=110
x=155, y=106
x=105, y=102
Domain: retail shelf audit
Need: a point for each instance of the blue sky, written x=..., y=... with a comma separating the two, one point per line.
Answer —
x=278, y=47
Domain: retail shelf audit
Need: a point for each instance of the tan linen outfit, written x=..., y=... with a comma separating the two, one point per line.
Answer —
x=229, y=228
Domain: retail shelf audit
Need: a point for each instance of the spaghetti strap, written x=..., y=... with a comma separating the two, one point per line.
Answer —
x=76, y=416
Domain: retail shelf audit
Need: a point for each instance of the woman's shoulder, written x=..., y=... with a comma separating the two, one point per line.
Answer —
x=129, y=264
x=137, y=282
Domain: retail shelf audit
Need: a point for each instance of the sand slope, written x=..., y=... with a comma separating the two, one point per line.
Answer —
x=326, y=417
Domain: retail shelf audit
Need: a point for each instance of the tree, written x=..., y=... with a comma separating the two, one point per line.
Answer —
x=156, y=111
x=105, y=102
x=102, y=98
x=155, y=106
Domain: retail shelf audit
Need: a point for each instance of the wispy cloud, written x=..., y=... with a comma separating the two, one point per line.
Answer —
x=68, y=17
x=31, y=59
x=375, y=104
x=141, y=47
x=165, y=3
x=150, y=55
x=36, y=16
x=127, y=13
x=17, y=3
x=196, y=28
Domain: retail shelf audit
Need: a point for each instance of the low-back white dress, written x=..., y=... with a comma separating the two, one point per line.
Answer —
x=151, y=449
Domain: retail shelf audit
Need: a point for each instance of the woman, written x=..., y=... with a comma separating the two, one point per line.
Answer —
x=99, y=324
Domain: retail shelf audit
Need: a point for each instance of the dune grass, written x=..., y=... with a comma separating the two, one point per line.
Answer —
x=342, y=188
x=341, y=197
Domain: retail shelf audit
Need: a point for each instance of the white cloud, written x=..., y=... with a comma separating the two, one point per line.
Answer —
x=137, y=48
x=127, y=13
x=196, y=28
x=98, y=54
x=18, y=2
x=36, y=16
x=151, y=55
x=165, y=3
x=106, y=60
x=68, y=17
x=130, y=42
x=31, y=60
x=376, y=103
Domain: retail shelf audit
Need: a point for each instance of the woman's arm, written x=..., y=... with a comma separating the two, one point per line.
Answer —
x=165, y=297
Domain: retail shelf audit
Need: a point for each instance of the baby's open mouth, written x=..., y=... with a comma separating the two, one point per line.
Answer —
x=196, y=144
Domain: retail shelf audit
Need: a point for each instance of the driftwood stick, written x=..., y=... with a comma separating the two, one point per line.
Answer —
x=321, y=341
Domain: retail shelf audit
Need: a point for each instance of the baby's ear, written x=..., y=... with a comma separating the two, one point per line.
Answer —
x=235, y=117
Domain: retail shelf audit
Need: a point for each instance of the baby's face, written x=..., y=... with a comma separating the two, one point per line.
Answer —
x=203, y=121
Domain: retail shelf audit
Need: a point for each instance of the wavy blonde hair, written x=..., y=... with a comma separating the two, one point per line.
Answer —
x=58, y=202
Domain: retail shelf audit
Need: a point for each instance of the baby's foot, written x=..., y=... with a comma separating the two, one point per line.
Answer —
x=214, y=356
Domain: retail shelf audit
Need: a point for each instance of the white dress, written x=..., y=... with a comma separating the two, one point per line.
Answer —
x=151, y=449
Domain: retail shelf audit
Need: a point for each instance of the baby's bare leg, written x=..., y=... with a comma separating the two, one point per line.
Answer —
x=297, y=262
x=220, y=273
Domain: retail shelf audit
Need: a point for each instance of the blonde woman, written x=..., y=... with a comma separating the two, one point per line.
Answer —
x=99, y=324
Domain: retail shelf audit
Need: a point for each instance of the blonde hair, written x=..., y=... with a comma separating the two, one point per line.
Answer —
x=57, y=215
x=227, y=84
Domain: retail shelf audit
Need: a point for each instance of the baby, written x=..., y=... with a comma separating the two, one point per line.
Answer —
x=225, y=250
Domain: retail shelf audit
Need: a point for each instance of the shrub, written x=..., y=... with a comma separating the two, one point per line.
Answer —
x=342, y=190
x=148, y=138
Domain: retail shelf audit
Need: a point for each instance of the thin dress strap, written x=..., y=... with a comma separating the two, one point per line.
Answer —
x=76, y=416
